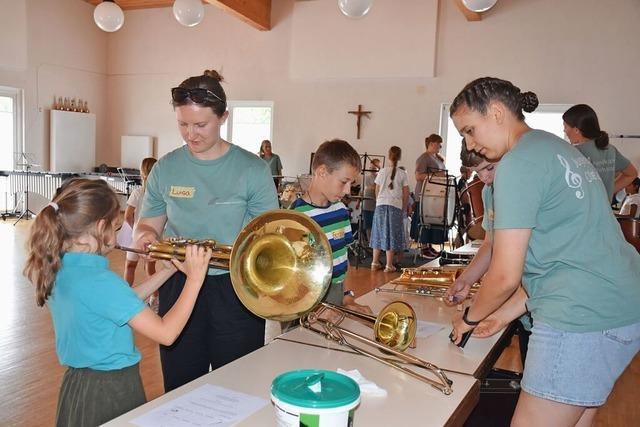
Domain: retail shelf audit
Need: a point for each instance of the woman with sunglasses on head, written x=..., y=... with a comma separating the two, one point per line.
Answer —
x=558, y=238
x=206, y=189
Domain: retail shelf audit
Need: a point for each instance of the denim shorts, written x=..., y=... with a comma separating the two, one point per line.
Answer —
x=577, y=368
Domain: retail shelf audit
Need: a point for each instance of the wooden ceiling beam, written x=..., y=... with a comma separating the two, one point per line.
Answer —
x=469, y=14
x=256, y=13
x=137, y=4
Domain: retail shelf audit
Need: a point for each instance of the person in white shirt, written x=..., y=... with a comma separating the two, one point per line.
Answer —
x=392, y=198
x=134, y=204
x=631, y=205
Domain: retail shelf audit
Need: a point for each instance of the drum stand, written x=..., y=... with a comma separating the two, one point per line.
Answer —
x=26, y=212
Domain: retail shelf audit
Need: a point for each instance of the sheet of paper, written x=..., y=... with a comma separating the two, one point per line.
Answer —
x=208, y=405
x=426, y=329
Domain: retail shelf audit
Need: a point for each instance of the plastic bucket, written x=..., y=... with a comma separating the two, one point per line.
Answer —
x=314, y=398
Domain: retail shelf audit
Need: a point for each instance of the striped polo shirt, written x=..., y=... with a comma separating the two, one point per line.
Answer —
x=334, y=221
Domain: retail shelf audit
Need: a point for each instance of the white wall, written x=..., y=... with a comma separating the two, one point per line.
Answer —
x=567, y=52
x=65, y=54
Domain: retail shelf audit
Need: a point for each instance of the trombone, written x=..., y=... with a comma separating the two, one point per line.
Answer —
x=394, y=331
x=428, y=282
x=280, y=267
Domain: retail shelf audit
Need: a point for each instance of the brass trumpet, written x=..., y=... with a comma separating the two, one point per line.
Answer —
x=428, y=282
x=280, y=267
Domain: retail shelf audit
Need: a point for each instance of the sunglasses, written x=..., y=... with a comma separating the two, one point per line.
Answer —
x=197, y=95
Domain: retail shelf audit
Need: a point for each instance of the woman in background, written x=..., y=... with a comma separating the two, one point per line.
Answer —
x=583, y=130
x=273, y=160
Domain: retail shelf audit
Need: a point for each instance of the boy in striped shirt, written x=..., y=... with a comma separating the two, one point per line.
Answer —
x=336, y=164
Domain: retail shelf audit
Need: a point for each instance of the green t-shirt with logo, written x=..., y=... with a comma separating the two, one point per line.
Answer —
x=580, y=273
x=209, y=199
x=608, y=163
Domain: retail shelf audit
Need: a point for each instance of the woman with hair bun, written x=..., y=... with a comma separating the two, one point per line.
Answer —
x=553, y=238
x=582, y=127
x=208, y=188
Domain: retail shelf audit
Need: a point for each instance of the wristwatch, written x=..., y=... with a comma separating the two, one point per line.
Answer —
x=467, y=321
x=349, y=293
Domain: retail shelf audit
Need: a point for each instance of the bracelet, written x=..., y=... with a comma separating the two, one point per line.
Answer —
x=467, y=321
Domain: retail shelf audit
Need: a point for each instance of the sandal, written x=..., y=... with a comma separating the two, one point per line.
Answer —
x=376, y=266
x=390, y=269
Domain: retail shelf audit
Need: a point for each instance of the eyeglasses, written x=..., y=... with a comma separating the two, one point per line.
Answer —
x=197, y=95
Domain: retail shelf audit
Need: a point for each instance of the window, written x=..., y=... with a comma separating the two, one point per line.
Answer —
x=10, y=126
x=248, y=124
x=546, y=117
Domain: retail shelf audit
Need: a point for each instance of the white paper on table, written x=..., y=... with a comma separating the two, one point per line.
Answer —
x=208, y=405
x=426, y=329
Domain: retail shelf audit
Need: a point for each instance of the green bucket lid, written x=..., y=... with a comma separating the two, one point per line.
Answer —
x=313, y=388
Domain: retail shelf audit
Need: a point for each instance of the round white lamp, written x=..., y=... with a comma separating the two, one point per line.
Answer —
x=188, y=12
x=108, y=16
x=479, y=5
x=355, y=8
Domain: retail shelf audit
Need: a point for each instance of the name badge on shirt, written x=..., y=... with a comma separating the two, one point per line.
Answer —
x=338, y=234
x=182, y=192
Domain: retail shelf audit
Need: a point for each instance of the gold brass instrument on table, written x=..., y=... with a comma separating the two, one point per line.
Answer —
x=394, y=330
x=280, y=267
x=428, y=282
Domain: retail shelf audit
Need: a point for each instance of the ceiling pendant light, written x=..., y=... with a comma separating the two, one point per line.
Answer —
x=188, y=12
x=479, y=6
x=355, y=8
x=108, y=16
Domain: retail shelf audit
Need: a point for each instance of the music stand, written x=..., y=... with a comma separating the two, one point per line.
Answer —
x=27, y=162
x=360, y=247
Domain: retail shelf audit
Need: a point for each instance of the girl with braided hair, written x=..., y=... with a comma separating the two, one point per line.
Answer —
x=586, y=326
x=392, y=199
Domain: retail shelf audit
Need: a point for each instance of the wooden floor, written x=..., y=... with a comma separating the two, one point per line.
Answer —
x=30, y=375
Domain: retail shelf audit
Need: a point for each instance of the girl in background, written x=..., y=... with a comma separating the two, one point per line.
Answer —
x=583, y=130
x=94, y=311
x=131, y=216
x=392, y=197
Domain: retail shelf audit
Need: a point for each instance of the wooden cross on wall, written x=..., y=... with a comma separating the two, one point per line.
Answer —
x=359, y=113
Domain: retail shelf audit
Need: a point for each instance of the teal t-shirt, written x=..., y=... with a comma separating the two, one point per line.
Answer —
x=608, y=163
x=487, y=203
x=275, y=165
x=580, y=273
x=91, y=306
x=209, y=199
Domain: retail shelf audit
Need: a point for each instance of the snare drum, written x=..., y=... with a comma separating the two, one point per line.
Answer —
x=631, y=230
x=472, y=196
